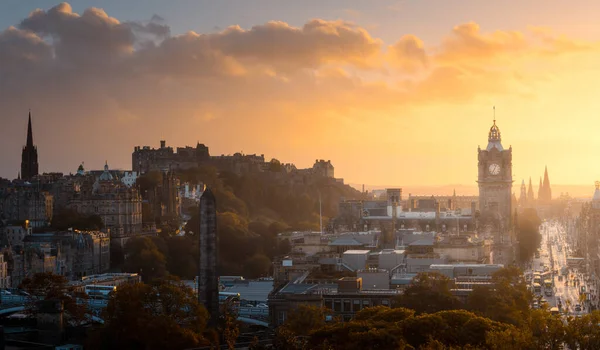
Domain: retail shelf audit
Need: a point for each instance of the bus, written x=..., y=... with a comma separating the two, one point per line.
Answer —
x=99, y=291
x=537, y=279
x=229, y=281
x=537, y=288
x=548, y=283
x=229, y=297
x=554, y=311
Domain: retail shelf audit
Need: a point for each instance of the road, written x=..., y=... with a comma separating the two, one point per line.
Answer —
x=553, y=261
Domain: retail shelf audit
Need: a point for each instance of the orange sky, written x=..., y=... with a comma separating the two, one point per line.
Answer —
x=402, y=112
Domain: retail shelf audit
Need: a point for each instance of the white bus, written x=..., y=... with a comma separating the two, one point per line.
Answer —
x=99, y=291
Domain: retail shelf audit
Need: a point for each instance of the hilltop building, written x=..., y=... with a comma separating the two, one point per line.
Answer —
x=146, y=159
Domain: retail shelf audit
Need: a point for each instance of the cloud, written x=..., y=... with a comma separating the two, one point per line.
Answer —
x=280, y=45
x=408, y=54
x=103, y=85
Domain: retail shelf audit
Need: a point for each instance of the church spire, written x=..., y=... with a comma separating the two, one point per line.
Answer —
x=29, y=156
x=546, y=186
x=530, y=194
x=29, y=132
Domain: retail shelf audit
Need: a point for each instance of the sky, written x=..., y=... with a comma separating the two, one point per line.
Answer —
x=392, y=92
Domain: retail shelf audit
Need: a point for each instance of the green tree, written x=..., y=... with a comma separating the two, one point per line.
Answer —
x=142, y=255
x=48, y=286
x=257, y=266
x=528, y=235
x=69, y=218
x=305, y=319
x=509, y=339
x=183, y=257
x=548, y=330
x=583, y=332
x=428, y=293
x=165, y=315
x=506, y=300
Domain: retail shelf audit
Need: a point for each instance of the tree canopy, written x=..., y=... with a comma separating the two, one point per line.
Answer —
x=528, y=234
x=165, y=315
x=428, y=293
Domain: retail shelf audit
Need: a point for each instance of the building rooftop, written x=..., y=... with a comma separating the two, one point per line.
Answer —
x=427, y=241
x=252, y=290
x=357, y=252
x=346, y=241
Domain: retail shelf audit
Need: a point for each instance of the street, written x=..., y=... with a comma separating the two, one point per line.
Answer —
x=560, y=282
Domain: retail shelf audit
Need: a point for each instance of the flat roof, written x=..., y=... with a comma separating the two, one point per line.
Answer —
x=357, y=252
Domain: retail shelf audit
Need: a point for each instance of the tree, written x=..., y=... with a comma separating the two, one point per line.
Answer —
x=165, y=315
x=48, y=286
x=509, y=339
x=69, y=218
x=257, y=266
x=506, y=300
x=143, y=255
x=583, y=332
x=548, y=330
x=183, y=256
x=305, y=318
x=428, y=293
x=528, y=234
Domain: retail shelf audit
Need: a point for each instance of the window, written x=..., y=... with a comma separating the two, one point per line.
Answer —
x=347, y=305
x=385, y=302
x=337, y=305
x=281, y=319
x=356, y=306
x=366, y=303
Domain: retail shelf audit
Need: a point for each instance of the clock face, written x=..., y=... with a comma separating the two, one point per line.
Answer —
x=494, y=169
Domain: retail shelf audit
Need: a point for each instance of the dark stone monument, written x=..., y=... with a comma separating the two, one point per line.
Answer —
x=208, y=278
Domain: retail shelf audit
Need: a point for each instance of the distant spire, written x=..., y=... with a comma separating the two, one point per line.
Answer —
x=546, y=186
x=494, y=115
x=530, y=194
x=29, y=132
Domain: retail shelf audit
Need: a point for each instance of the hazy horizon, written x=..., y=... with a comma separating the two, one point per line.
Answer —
x=575, y=191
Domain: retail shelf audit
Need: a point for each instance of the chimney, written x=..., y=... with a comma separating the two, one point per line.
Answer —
x=163, y=143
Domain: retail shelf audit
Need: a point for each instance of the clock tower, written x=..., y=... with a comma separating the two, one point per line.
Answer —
x=495, y=179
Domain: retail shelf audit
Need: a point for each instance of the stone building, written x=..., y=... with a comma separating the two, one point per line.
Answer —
x=145, y=159
x=26, y=201
x=119, y=206
x=72, y=254
x=323, y=168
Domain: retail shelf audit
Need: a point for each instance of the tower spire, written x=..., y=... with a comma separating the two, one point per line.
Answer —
x=494, y=115
x=29, y=132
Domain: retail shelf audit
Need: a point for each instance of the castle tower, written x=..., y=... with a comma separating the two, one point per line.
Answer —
x=495, y=179
x=540, y=191
x=208, y=278
x=29, y=156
